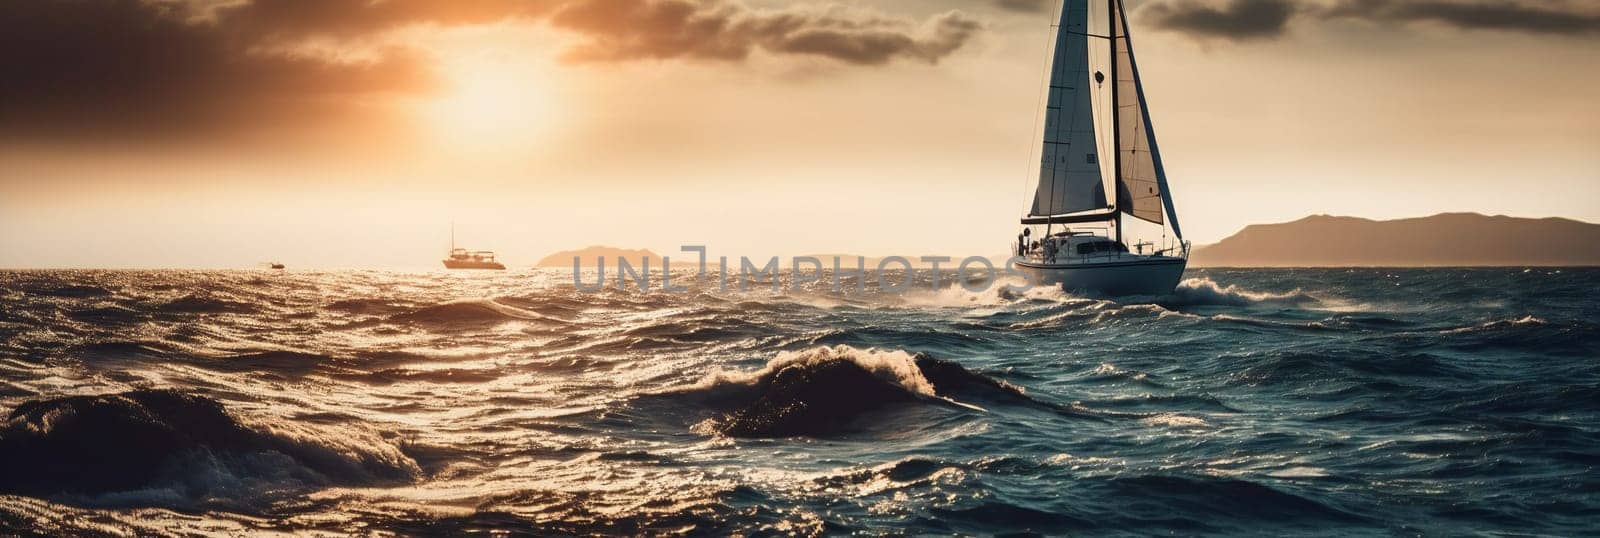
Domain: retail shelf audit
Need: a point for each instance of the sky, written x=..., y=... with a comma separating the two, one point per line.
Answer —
x=353, y=133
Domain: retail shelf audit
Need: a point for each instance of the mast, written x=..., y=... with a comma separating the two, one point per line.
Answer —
x=1116, y=123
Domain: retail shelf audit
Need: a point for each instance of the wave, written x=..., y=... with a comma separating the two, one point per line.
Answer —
x=1219, y=500
x=1499, y=325
x=439, y=376
x=171, y=449
x=197, y=304
x=121, y=348
x=817, y=392
x=1099, y=312
x=1203, y=291
x=699, y=329
x=72, y=291
x=1567, y=337
x=887, y=337
x=1185, y=402
x=1107, y=372
x=906, y=470
x=106, y=314
x=363, y=306
x=470, y=311
x=1299, y=472
x=1514, y=398
x=996, y=517
x=377, y=367
x=1364, y=322
x=564, y=308
x=1273, y=324
x=996, y=293
x=277, y=361
x=1368, y=371
x=1174, y=420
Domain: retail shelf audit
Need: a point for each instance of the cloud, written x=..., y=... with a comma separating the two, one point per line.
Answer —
x=1505, y=15
x=288, y=19
x=196, y=67
x=112, y=65
x=1025, y=6
x=1237, y=20
x=1241, y=20
x=617, y=30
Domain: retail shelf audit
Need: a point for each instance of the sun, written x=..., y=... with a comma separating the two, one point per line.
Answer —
x=492, y=104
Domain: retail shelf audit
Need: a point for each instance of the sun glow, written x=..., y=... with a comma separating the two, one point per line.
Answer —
x=492, y=104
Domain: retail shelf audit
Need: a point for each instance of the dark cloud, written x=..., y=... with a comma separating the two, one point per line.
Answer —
x=1025, y=6
x=287, y=19
x=195, y=67
x=1543, y=18
x=1255, y=19
x=111, y=65
x=876, y=45
x=635, y=29
x=1236, y=20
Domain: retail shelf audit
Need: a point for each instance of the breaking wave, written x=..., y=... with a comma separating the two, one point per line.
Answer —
x=168, y=447
x=819, y=391
x=1206, y=292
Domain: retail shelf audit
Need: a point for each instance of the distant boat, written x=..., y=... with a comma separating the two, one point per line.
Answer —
x=461, y=258
x=275, y=265
x=1074, y=233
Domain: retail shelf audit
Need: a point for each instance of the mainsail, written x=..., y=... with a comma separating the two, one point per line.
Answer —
x=1069, y=173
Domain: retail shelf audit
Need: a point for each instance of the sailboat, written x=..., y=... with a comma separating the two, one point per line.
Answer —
x=1101, y=181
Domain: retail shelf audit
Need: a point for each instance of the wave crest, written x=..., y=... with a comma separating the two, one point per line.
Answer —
x=1203, y=291
x=1499, y=325
x=817, y=391
x=895, y=367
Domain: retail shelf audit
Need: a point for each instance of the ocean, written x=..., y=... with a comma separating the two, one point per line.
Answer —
x=1251, y=401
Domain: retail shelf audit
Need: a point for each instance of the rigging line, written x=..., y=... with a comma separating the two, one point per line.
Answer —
x=1049, y=38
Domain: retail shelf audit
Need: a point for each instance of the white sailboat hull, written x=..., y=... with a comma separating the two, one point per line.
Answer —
x=1114, y=276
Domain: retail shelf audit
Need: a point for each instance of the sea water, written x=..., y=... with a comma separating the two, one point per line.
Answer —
x=1325, y=401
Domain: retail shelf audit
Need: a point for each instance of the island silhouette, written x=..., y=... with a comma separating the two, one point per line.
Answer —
x=1443, y=240
x=589, y=257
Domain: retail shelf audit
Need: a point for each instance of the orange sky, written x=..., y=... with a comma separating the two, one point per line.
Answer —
x=351, y=134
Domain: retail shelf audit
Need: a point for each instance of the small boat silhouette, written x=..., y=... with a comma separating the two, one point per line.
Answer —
x=461, y=258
